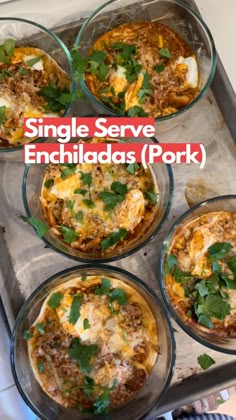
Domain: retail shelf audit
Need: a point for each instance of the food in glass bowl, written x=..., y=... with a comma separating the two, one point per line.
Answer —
x=145, y=57
x=94, y=207
x=142, y=68
x=200, y=273
x=95, y=339
x=93, y=344
x=32, y=84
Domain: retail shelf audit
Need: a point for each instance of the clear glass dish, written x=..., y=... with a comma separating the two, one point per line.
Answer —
x=46, y=408
x=32, y=34
x=173, y=13
x=222, y=203
x=31, y=188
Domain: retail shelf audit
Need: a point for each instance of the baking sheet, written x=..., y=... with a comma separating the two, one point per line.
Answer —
x=25, y=262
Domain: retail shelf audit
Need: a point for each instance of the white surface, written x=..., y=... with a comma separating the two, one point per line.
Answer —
x=6, y=379
x=12, y=406
x=219, y=15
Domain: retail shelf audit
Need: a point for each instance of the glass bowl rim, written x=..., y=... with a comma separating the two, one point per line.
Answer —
x=198, y=17
x=105, y=267
x=68, y=56
x=163, y=253
x=111, y=258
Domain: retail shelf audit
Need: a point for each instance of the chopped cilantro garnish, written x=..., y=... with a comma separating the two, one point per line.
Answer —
x=231, y=263
x=40, y=327
x=86, y=178
x=3, y=116
x=23, y=71
x=40, y=227
x=165, y=53
x=55, y=97
x=80, y=217
x=69, y=235
x=49, y=183
x=27, y=335
x=205, y=321
x=80, y=191
x=40, y=367
x=132, y=168
x=171, y=261
x=119, y=188
x=79, y=65
x=119, y=296
x=219, y=249
x=86, y=324
x=110, y=199
x=159, y=68
x=205, y=361
x=82, y=353
x=83, y=278
x=33, y=61
x=151, y=196
x=9, y=46
x=75, y=309
x=55, y=299
x=89, y=386
x=146, y=88
x=89, y=203
x=5, y=73
x=113, y=239
x=136, y=111
x=68, y=171
x=102, y=402
x=104, y=288
x=214, y=306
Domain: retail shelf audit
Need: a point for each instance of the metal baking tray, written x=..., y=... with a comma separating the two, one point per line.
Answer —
x=25, y=262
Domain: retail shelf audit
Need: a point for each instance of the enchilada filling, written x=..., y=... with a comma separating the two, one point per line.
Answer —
x=201, y=273
x=99, y=207
x=93, y=344
x=142, y=68
x=31, y=85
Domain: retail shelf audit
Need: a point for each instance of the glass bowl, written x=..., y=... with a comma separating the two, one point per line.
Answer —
x=46, y=408
x=222, y=203
x=31, y=34
x=173, y=13
x=31, y=188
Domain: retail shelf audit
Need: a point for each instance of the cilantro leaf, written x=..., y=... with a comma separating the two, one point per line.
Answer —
x=86, y=178
x=110, y=199
x=151, y=196
x=171, y=261
x=205, y=321
x=89, y=386
x=69, y=235
x=101, y=404
x=40, y=227
x=119, y=188
x=40, y=327
x=82, y=353
x=164, y=52
x=3, y=116
x=219, y=249
x=80, y=191
x=33, y=61
x=86, y=324
x=75, y=309
x=104, y=288
x=9, y=46
x=159, y=68
x=79, y=65
x=27, y=335
x=55, y=299
x=40, y=367
x=23, y=71
x=54, y=97
x=136, y=111
x=49, y=183
x=67, y=172
x=80, y=217
x=205, y=361
x=113, y=239
x=132, y=168
x=83, y=278
x=119, y=296
x=231, y=263
x=214, y=306
x=89, y=203
x=180, y=275
x=3, y=57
